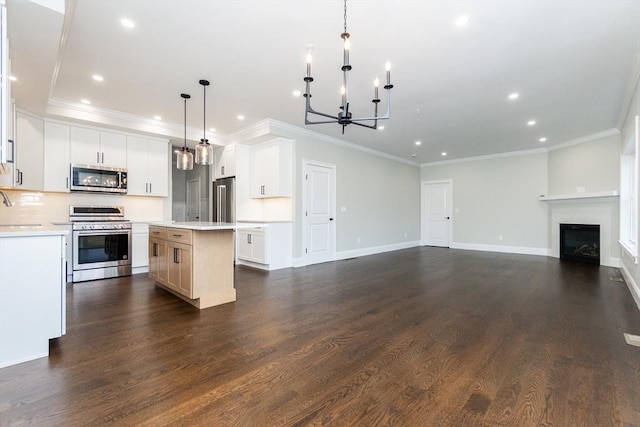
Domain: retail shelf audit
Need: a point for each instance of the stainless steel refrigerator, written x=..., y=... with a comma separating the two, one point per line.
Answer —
x=224, y=200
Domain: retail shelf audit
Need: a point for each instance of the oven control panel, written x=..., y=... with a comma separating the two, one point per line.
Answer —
x=102, y=226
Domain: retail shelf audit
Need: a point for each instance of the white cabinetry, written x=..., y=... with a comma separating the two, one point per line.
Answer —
x=27, y=151
x=224, y=162
x=32, y=296
x=95, y=147
x=147, y=166
x=271, y=169
x=5, y=86
x=57, y=155
x=140, y=247
x=266, y=248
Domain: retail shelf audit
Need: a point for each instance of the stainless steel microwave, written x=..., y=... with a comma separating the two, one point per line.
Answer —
x=98, y=179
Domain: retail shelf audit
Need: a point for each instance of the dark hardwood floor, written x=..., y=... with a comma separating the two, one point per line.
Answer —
x=418, y=337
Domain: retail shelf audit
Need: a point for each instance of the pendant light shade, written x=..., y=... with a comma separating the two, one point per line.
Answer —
x=204, y=150
x=184, y=157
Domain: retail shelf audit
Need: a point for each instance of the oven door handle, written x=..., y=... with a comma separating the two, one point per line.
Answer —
x=97, y=232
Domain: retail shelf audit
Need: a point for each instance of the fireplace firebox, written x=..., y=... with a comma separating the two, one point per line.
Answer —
x=580, y=242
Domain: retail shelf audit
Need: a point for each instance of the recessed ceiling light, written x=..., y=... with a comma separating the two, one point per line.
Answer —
x=212, y=129
x=413, y=155
x=13, y=78
x=127, y=23
x=240, y=117
x=514, y=95
x=418, y=143
x=297, y=93
x=462, y=20
x=531, y=122
x=85, y=101
x=543, y=139
x=157, y=118
x=444, y=153
x=97, y=77
x=380, y=127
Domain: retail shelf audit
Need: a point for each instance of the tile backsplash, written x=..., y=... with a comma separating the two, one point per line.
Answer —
x=31, y=207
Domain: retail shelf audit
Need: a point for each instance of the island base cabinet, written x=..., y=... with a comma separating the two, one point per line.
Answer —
x=195, y=265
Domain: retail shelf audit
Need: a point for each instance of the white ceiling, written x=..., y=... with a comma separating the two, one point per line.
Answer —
x=572, y=62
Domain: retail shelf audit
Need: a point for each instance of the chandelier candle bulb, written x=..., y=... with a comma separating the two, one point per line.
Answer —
x=308, y=64
x=376, y=83
x=346, y=51
x=388, y=68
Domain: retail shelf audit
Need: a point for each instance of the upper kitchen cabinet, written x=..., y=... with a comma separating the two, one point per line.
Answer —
x=147, y=167
x=57, y=153
x=27, y=153
x=224, y=161
x=95, y=147
x=271, y=169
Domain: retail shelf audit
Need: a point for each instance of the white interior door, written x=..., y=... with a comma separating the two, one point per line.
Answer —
x=436, y=213
x=193, y=200
x=319, y=189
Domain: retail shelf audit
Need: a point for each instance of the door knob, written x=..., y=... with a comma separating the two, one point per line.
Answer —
x=330, y=219
x=447, y=218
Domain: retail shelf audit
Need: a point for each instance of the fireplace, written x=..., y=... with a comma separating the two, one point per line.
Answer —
x=580, y=242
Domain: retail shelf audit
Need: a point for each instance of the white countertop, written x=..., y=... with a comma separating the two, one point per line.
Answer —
x=30, y=230
x=208, y=226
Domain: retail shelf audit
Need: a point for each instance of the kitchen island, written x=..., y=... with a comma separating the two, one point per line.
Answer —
x=32, y=290
x=194, y=260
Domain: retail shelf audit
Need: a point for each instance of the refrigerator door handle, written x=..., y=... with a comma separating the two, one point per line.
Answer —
x=222, y=203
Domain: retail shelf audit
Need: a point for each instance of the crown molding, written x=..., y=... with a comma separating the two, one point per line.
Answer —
x=261, y=130
x=581, y=140
x=63, y=109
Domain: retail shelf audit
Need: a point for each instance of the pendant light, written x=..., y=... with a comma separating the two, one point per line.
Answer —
x=204, y=150
x=184, y=157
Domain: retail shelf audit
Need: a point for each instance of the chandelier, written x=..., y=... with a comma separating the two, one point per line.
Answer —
x=204, y=150
x=344, y=116
x=184, y=157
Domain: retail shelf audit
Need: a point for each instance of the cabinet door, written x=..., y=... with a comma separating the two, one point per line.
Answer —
x=218, y=163
x=85, y=146
x=158, y=168
x=158, y=260
x=258, y=244
x=137, y=184
x=113, y=149
x=57, y=157
x=140, y=252
x=179, y=267
x=229, y=160
x=243, y=245
x=29, y=161
x=256, y=177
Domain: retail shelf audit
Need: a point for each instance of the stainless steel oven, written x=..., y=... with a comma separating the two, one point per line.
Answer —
x=101, y=242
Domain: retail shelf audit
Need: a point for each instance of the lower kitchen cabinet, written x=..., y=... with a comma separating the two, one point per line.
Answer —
x=266, y=248
x=179, y=268
x=139, y=247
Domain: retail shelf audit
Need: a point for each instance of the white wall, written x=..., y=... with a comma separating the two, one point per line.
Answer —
x=497, y=196
x=592, y=165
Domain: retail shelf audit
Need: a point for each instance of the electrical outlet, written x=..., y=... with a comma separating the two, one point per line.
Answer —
x=501, y=237
x=580, y=189
x=358, y=240
x=343, y=208
x=405, y=235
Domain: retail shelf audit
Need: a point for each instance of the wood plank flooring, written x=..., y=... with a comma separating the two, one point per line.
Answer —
x=418, y=337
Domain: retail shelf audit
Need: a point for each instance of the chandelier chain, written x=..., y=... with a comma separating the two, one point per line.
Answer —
x=345, y=16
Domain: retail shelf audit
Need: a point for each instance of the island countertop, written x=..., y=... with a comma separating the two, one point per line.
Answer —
x=27, y=230
x=207, y=226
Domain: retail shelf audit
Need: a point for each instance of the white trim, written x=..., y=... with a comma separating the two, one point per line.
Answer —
x=524, y=250
x=628, y=95
x=270, y=126
x=353, y=253
x=116, y=119
x=569, y=143
x=631, y=251
x=580, y=196
x=631, y=284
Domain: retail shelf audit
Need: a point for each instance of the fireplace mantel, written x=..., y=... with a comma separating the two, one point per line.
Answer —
x=602, y=195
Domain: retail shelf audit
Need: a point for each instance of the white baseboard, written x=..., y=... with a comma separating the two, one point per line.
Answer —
x=631, y=284
x=524, y=250
x=252, y=264
x=375, y=250
x=138, y=270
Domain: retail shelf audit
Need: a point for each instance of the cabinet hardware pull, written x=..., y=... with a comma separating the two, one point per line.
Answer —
x=150, y=191
x=67, y=184
x=19, y=176
x=249, y=238
x=155, y=250
x=102, y=157
x=175, y=255
x=97, y=157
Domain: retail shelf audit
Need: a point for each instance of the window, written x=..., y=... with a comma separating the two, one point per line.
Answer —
x=629, y=194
